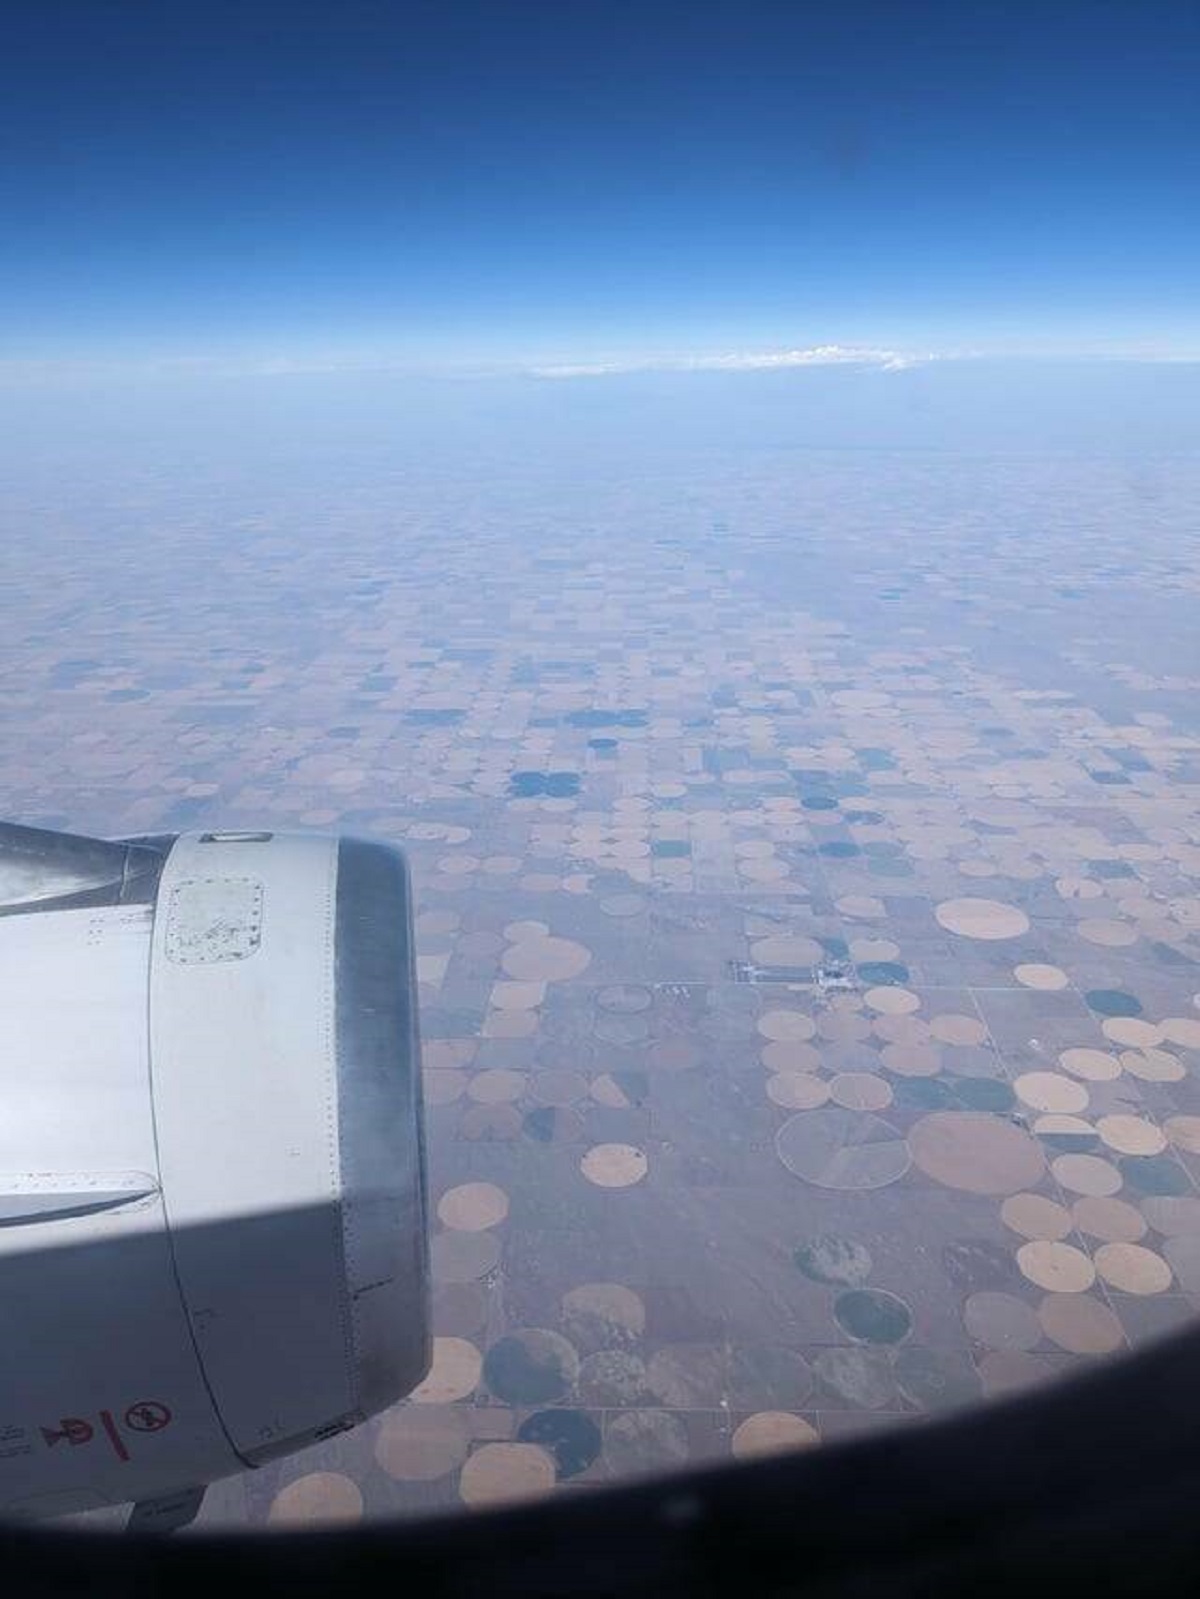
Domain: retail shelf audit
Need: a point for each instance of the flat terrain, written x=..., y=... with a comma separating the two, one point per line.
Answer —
x=808, y=855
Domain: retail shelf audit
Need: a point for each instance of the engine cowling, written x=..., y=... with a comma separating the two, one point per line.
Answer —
x=212, y=1197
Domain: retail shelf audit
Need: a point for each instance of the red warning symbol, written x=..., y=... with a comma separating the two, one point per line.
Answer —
x=71, y=1430
x=148, y=1415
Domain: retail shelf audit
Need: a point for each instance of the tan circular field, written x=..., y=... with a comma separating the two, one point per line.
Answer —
x=981, y=918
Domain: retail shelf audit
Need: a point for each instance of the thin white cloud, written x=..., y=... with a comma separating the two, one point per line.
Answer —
x=741, y=361
x=15, y=372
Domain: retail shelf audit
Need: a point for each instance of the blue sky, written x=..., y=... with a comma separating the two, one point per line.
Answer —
x=454, y=183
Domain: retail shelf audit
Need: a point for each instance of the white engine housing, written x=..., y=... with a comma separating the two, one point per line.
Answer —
x=212, y=1224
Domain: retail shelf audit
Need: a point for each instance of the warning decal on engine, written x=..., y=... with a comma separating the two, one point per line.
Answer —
x=148, y=1415
x=145, y=1415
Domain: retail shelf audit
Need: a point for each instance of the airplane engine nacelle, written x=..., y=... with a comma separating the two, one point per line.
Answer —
x=212, y=1209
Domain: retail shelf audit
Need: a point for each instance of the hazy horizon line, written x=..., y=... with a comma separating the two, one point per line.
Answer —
x=762, y=359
